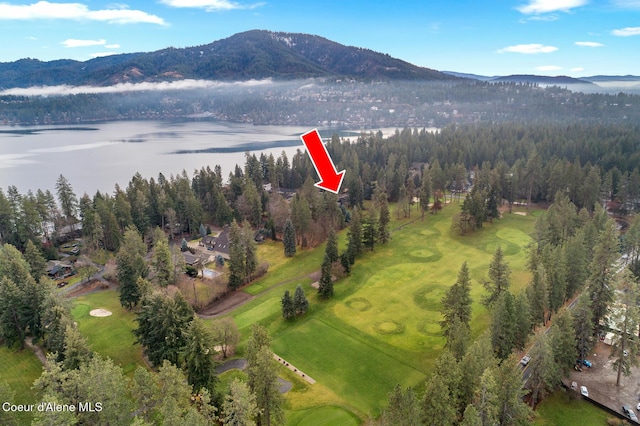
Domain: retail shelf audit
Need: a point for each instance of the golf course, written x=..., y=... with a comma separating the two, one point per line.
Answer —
x=381, y=327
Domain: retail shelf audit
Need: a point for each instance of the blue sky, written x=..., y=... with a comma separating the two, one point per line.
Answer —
x=548, y=37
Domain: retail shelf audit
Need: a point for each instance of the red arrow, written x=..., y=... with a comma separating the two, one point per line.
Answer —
x=330, y=179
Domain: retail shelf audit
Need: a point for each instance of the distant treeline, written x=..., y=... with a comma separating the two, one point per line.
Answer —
x=512, y=162
x=348, y=103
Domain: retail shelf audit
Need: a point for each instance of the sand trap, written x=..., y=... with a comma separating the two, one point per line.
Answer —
x=100, y=313
x=520, y=213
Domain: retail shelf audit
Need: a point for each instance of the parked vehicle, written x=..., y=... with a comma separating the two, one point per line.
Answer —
x=584, y=362
x=584, y=391
x=62, y=284
x=525, y=360
x=628, y=411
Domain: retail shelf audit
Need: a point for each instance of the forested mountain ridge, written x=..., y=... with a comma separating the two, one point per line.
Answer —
x=253, y=54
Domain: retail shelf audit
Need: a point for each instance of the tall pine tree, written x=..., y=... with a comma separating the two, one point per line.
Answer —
x=325, y=285
x=289, y=239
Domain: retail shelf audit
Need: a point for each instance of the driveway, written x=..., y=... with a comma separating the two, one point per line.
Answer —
x=600, y=379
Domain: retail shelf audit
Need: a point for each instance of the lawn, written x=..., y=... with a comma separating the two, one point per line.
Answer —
x=19, y=369
x=382, y=326
x=560, y=409
x=109, y=336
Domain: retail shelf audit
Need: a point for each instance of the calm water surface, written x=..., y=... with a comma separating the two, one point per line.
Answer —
x=97, y=156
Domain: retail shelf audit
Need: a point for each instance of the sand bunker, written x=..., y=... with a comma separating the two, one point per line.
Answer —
x=100, y=313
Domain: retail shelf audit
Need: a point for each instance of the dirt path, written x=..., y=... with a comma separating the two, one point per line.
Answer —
x=36, y=350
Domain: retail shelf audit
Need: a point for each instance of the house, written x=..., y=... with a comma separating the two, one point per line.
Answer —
x=208, y=241
x=57, y=269
x=221, y=246
x=191, y=259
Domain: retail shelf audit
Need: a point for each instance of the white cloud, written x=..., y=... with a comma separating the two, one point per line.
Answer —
x=210, y=5
x=528, y=49
x=588, y=44
x=626, y=32
x=536, y=7
x=72, y=42
x=186, y=84
x=75, y=11
x=577, y=69
x=112, y=46
x=549, y=68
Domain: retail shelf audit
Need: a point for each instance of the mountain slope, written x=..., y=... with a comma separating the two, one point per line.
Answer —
x=542, y=79
x=253, y=54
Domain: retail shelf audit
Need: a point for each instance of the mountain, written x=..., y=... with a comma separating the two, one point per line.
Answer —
x=610, y=78
x=253, y=54
x=541, y=79
x=471, y=76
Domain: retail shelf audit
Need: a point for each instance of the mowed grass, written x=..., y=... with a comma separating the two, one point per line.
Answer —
x=282, y=268
x=323, y=416
x=19, y=369
x=109, y=336
x=560, y=409
x=382, y=326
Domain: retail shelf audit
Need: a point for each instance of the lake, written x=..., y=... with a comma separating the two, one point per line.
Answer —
x=97, y=156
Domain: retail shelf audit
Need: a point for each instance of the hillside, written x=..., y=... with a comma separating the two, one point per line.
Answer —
x=253, y=54
x=541, y=79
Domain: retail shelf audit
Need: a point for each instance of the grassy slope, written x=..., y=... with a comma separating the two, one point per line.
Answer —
x=353, y=344
x=559, y=409
x=19, y=369
x=109, y=336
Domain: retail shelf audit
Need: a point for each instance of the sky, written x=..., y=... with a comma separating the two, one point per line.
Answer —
x=545, y=37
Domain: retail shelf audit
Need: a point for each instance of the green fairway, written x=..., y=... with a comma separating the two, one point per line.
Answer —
x=559, y=409
x=19, y=369
x=382, y=326
x=109, y=336
x=322, y=416
x=366, y=373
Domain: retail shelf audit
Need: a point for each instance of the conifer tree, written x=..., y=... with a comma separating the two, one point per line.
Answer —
x=499, y=273
x=354, y=244
x=198, y=355
x=163, y=263
x=239, y=406
x=425, y=191
x=370, y=230
x=37, y=264
x=403, y=408
x=289, y=239
x=131, y=266
x=325, y=285
x=503, y=323
x=300, y=302
x=457, y=301
x=288, y=311
x=601, y=288
x=331, y=249
x=265, y=387
x=345, y=262
x=383, y=221
x=236, y=257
